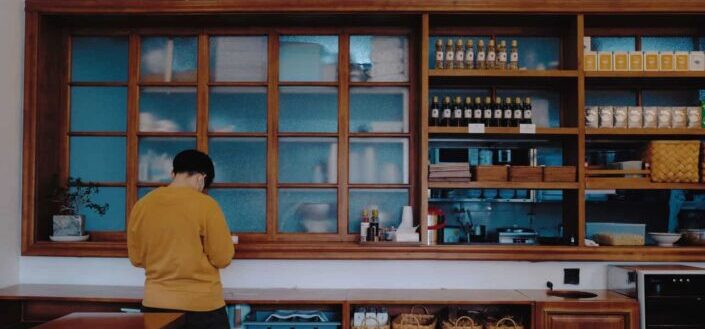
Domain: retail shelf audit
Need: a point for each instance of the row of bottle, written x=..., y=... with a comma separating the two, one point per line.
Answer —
x=369, y=226
x=489, y=113
x=463, y=56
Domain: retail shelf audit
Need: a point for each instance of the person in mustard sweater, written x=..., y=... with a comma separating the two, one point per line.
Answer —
x=179, y=236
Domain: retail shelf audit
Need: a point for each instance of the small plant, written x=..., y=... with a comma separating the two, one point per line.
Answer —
x=76, y=195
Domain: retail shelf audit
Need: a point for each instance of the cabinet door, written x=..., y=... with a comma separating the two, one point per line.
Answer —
x=586, y=321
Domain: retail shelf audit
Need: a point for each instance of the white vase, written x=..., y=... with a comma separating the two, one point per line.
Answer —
x=68, y=225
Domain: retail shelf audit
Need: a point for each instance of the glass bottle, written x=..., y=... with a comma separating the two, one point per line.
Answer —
x=507, y=108
x=477, y=111
x=435, y=112
x=480, y=65
x=467, y=111
x=469, y=55
x=502, y=57
x=487, y=112
x=459, y=54
x=450, y=55
x=514, y=56
x=491, y=55
x=528, y=112
x=447, y=112
x=457, y=112
x=439, y=54
x=518, y=112
x=498, y=112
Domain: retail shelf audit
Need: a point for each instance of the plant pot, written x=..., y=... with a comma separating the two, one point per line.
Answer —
x=69, y=225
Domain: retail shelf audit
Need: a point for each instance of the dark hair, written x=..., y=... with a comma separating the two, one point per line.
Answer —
x=195, y=162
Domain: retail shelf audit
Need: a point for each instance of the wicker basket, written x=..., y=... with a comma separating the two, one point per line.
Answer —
x=674, y=161
x=415, y=321
x=463, y=322
x=505, y=322
x=365, y=326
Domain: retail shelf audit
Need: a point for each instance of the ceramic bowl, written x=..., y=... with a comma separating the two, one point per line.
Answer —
x=665, y=239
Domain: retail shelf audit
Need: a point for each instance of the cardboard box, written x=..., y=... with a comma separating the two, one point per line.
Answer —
x=621, y=61
x=697, y=61
x=651, y=61
x=604, y=61
x=666, y=61
x=590, y=61
x=682, y=60
x=636, y=61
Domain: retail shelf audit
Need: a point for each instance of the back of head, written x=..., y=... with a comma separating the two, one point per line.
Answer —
x=194, y=162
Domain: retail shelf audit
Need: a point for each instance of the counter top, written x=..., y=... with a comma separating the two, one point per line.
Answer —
x=132, y=294
x=117, y=321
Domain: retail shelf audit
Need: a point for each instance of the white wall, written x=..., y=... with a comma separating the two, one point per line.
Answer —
x=11, y=40
x=243, y=273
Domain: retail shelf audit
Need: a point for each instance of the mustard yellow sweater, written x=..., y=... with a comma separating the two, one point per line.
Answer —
x=179, y=236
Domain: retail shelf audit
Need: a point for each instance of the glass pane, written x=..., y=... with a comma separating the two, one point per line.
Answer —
x=668, y=44
x=379, y=58
x=678, y=97
x=380, y=109
x=308, y=109
x=546, y=105
x=239, y=160
x=167, y=109
x=142, y=191
x=244, y=209
x=169, y=59
x=610, y=97
x=98, y=108
x=613, y=43
x=157, y=155
x=388, y=202
x=238, y=58
x=114, y=218
x=308, y=160
x=308, y=211
x=99, y=59
x=237, y=109
x=98, y=159
x=379, y=160
x=308, y=58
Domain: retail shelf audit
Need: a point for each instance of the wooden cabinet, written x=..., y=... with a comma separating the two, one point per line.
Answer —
x=586, y=321
x=587, y=315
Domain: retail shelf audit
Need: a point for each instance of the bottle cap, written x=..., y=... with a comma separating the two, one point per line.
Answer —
x=459, y=42
x=498, y=100
x=435, y=99
x=508, y=100
x=439, y=42
x=514, y=43
x=450, y=42
x=469, y=43
x=468, y=99
x=481, y=43
x=491, y=42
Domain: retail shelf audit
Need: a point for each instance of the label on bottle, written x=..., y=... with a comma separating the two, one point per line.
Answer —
x=517, y=114
x=450, y=56
x=468, y=114
x=470, y=56
x=488, y=114
x=476, y=128
x=477, y=114
x=439, y=55
x=459, y=56
x=447, y=113
x=498, y=114
x=480, y=56
x=458, y=113
x=435, y=113
x=503, y=57
x=527, y=114
x=491, y=57
x=507, y=114
x=514, y=57
x=525, y=128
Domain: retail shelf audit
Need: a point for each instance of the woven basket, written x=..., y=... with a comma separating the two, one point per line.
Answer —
x=463, y=322
x=506, y=322
x=674, y=161
x=414, y=321
x=365, y=326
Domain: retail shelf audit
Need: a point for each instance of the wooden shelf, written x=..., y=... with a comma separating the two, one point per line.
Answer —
x=503, y=73
x=616, y=185
x=502, y=131
x=646, y=131
x=507, y=185
x=645, y=74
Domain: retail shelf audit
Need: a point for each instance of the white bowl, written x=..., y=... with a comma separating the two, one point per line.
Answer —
x=665, y=239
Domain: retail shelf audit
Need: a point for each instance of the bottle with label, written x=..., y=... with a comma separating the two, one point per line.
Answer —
x=439, y=54
x=528, y=113
x=480, y=65
x=498, y=112
x=469, y=55
x=467, y=111
x=435, y=112
x=514, y=56
x=447, y=112
x=364, y=225
x=450, y=55
x=457, y=112
x=477, y=111
x=502, y=56
x=508, y=112
x=487, y=112
x=518, y=112
x=459, y=54
x=702, y=114
x=373, y=232
x=491, y=56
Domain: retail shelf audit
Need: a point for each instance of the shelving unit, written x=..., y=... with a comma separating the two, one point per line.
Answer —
x=502, y=131
x=506, y=185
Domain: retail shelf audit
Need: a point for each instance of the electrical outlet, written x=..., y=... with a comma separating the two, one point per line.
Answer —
x=571, y=276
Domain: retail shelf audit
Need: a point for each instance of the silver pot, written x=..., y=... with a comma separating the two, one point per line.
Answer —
x=694, y=237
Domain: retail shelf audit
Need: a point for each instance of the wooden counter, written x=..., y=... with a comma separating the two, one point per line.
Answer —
x=116, y=321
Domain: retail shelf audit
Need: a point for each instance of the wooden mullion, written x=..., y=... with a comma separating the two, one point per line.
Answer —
x=580, y=33
x=422, y=158
x=66, y=97
x=133, y=91
x=343, y=132
x=202, y=93
x=170, y=83
x=272, y=130
x=414, y=120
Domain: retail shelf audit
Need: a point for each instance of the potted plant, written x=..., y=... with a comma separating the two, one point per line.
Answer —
x=70, y=199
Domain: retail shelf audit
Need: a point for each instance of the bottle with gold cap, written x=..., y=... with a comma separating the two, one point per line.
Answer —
x=514, y=56
x=450, y=55
x=497, y=112
x=518, y=112
x=447, y=112
x=490, y=62
x=502, y=55
x=487, y=112
x=439, y=54
x=477, y=110
x=457, y=112
x=528, y=112
x=481, y=56
x=507, y=109
x=469, y=55
x=467, y=111
x=435, y=113
x=459, y=54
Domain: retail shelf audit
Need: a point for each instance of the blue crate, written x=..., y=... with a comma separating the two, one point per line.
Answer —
x=257, y=320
